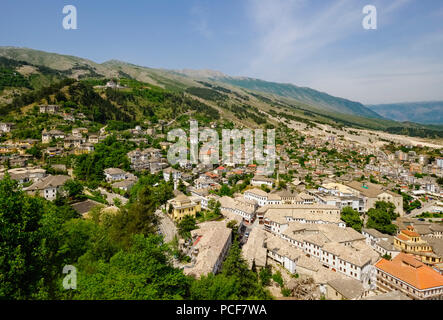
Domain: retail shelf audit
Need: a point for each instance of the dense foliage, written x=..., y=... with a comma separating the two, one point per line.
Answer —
x=352, y=218
x=111, y=153
x=30, y=241
x=11, y=78
x=381, y=217
x=117, y=255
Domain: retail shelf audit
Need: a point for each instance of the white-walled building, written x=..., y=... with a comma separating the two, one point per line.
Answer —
x=262, y=180
x=48, y=187
x=239, y=206
x=115, y=174
x=339, y=249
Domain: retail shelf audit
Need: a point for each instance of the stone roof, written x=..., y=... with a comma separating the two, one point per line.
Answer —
x=287, y=193
x=114, y=171
x=283, y=248
x=262, y=178
x=391, y=295
x=387, y=245
x=211, y=239
x=375, y=233
x=85, y=206
x=238, y=203
x=347, y=253
x=348, y=288
x=253, y=250
x=258, y=192
x=436, y=244
x=277, y=215
x=48, y=182
x=123, y=184
x=369, y=190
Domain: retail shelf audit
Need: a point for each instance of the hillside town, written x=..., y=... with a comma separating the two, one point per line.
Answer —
x=349, y=216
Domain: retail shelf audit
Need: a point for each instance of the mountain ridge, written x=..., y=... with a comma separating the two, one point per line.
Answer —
x=426, y=112
x=310, y=96
x=234, y=101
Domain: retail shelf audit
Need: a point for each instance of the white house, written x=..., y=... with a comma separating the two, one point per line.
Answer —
x=260, y=180
x=47, y=136
x=171, y=173
x=5, y=127
x=239, y=206
x=257, y=195
x=48, y=187
x=115, y=174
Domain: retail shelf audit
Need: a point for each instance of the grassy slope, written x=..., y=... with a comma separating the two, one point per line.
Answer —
x=279, y=101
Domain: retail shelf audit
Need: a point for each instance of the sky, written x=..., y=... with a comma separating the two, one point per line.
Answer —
x=314, y=43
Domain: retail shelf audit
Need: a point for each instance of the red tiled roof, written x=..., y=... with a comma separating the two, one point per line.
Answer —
x=410, y=270
x=410, y=233
x=402, y=237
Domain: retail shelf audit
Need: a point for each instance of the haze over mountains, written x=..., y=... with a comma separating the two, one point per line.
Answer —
x=318, y=99
x=301, y=102
x=422, y=112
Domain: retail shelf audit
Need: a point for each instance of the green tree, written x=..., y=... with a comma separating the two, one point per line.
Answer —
x=265, y=276
x=352, y=218
x=73, y=188
x=139, y=218
x=30, y=240
x=214, y=287
x=143, y=272
x=380, y=217
x=225, y=191
x=21, y=267
x=278, y=278
x=186, y=225
x=35, y=151
x=247, y=280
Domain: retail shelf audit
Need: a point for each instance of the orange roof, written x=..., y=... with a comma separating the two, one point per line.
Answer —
x=211, y=174
x=408, y=269
x=402, y=237
x=410, y=233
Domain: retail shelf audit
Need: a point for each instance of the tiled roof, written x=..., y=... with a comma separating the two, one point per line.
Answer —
x=402, y=237
x=348, y=288
x=411, y=271
x=258, y=192
x=410, y=233
x=49, y=181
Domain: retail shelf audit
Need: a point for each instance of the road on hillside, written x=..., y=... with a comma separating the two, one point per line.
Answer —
x=425, y=207
x=166, y=226
x=111, y=196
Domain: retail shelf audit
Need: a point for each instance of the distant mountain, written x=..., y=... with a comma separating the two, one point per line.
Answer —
x=28, y=75
x=321, y=100
x=419, y=112
x=81, y=68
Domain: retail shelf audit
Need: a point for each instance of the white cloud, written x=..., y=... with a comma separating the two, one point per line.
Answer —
x=292, y=34
x=199, y=21
x=288, y=33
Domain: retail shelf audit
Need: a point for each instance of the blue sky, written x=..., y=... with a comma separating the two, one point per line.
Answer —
x=315, y=43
